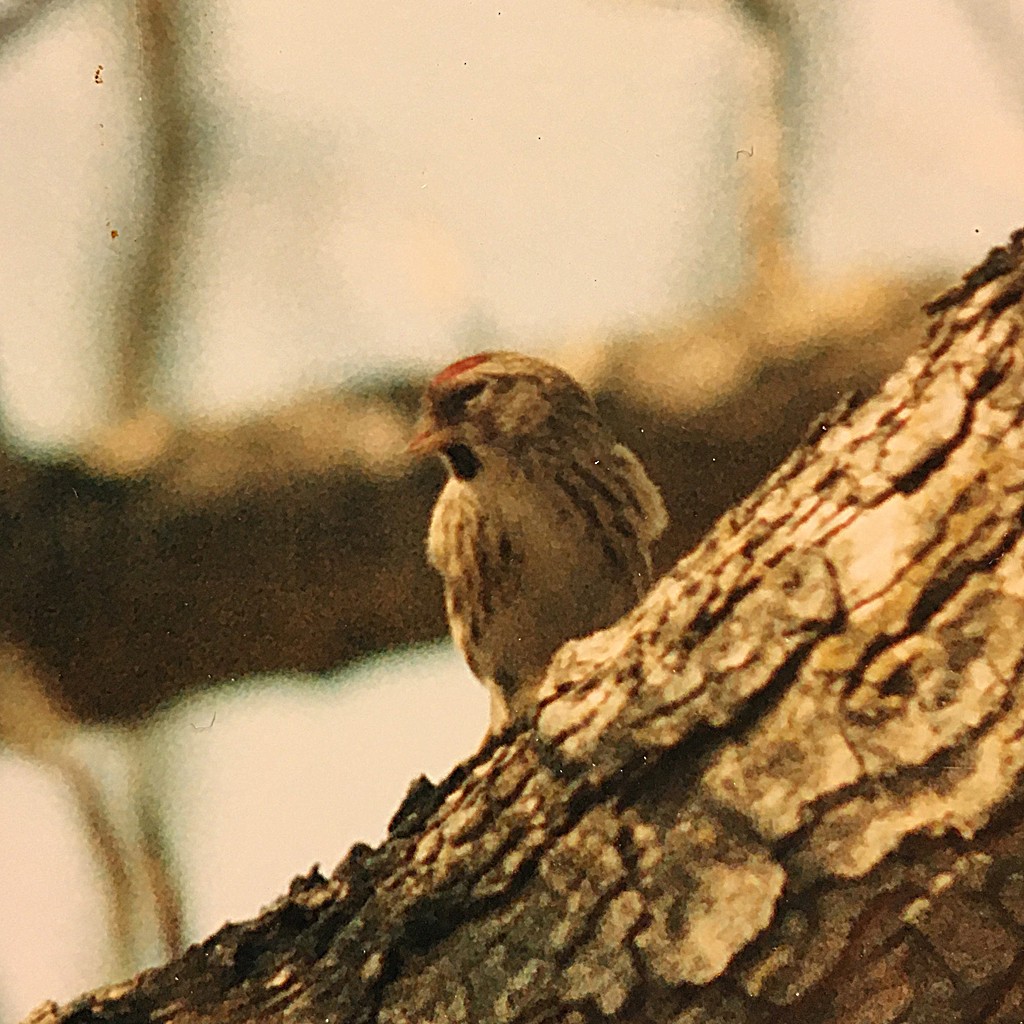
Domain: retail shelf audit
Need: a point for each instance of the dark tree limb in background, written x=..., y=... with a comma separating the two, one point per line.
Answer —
x=786, y=785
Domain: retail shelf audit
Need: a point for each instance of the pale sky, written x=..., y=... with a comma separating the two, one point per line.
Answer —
x=393, y=180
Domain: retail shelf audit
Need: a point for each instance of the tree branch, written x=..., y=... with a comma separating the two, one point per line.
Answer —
x=789, y=779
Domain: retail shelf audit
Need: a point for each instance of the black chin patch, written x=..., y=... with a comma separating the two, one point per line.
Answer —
x=465, y=465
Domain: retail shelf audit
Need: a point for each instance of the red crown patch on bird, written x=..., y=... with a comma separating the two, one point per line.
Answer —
x=459, y=368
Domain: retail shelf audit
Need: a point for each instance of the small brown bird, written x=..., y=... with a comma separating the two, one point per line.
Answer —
x=544, y=528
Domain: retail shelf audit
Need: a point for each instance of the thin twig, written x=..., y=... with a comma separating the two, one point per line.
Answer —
x=20, y=20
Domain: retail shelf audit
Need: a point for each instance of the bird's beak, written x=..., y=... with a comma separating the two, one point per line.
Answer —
x=428, y=438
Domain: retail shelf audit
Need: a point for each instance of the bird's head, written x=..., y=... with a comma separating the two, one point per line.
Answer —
x=499, y=404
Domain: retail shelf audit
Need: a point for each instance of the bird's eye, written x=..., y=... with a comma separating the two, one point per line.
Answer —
x=468, y=392
x=454, y=403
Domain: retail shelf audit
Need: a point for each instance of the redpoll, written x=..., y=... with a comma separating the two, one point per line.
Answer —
x=544, y=528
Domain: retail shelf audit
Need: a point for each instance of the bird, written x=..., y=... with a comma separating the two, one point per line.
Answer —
x=543, y=530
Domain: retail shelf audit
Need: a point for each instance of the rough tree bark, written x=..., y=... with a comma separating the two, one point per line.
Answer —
x=786, y=785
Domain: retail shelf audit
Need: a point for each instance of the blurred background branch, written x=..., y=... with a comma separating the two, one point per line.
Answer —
x=18, y=20
x=774, y=101
x=1002, y=39
x=148, y=311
